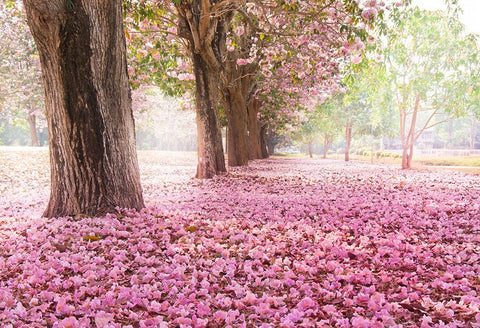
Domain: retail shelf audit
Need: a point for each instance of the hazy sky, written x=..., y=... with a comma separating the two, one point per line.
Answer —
x=470, y=16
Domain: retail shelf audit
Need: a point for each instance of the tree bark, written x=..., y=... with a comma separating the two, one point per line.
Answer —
x=310, y=153
x=32, y=123
x=211, y=160
x=326, y=144
x=263, y=142
x=93, y=159
x=254, y=137
x=348, y=139
x=205, y=35
x=236, y=111
x=408, y=139
x=410, y=157
x=405, y=156
x=270, y=138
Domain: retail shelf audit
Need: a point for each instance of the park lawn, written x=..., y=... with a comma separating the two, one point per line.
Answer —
x=465, y=164
x=286, y=242
x=470, y=161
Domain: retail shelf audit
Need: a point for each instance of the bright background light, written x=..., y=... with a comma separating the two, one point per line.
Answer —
x=469, y=17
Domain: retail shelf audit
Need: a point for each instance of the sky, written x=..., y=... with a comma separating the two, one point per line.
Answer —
x=469, y=17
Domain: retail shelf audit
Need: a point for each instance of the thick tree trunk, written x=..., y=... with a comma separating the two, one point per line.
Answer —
x=254, y=137
x=310, y=153
x=211, y=160
x=88, y=105
x=205, y=36
x=237, y=142
x=32, y=123
x=348, y=138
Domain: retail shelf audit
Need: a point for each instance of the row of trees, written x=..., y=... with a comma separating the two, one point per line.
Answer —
x=423, y=72
x=21, y=94
x=239, y=54
x=275, y=55
x=253, y=64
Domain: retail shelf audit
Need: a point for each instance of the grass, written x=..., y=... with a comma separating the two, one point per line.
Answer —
x=466, y=164
x=472, y=161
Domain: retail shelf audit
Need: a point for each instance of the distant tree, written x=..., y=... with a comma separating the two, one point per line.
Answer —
x=88, y=106
x=327, y=116
x=308, y=132
x=428, y=60
x=20, y=77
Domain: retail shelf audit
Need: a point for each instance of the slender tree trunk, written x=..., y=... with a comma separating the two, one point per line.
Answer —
x=326, y=143
x=236, y=111
x=310, y=153
x=348, y=138
x=32, y=123
x=211, y=159
x=254, y=138
x=88, y=105
x=410, y=156
x=408, y=139
x=406, y=158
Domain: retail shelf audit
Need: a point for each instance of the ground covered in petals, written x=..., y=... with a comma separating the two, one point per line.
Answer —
x=282, y=243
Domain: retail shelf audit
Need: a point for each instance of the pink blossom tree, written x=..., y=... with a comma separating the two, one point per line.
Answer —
x=299, y=41
x=21, y=86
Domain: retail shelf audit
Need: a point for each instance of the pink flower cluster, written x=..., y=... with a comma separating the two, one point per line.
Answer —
x=282, y=243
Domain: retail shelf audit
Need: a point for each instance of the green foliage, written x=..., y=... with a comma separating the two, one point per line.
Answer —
x=155, y=55
x=428, y=55
x=367, y=152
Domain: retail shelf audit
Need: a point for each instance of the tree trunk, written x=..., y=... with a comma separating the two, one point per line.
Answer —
x=326, y=143
x=405, y=156
x=410, y=157
x=408, y=137
x=348, y=138
x=205, y=35
x=254, y=138
x=32, y=123
x=263, y=142
x=310, y=153
x=93, y=159
x=211, y=160
x=270, y=141
x=236, y=111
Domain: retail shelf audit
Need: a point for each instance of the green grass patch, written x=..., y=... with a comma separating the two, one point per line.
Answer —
x=471, y=161
x=288, y=155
